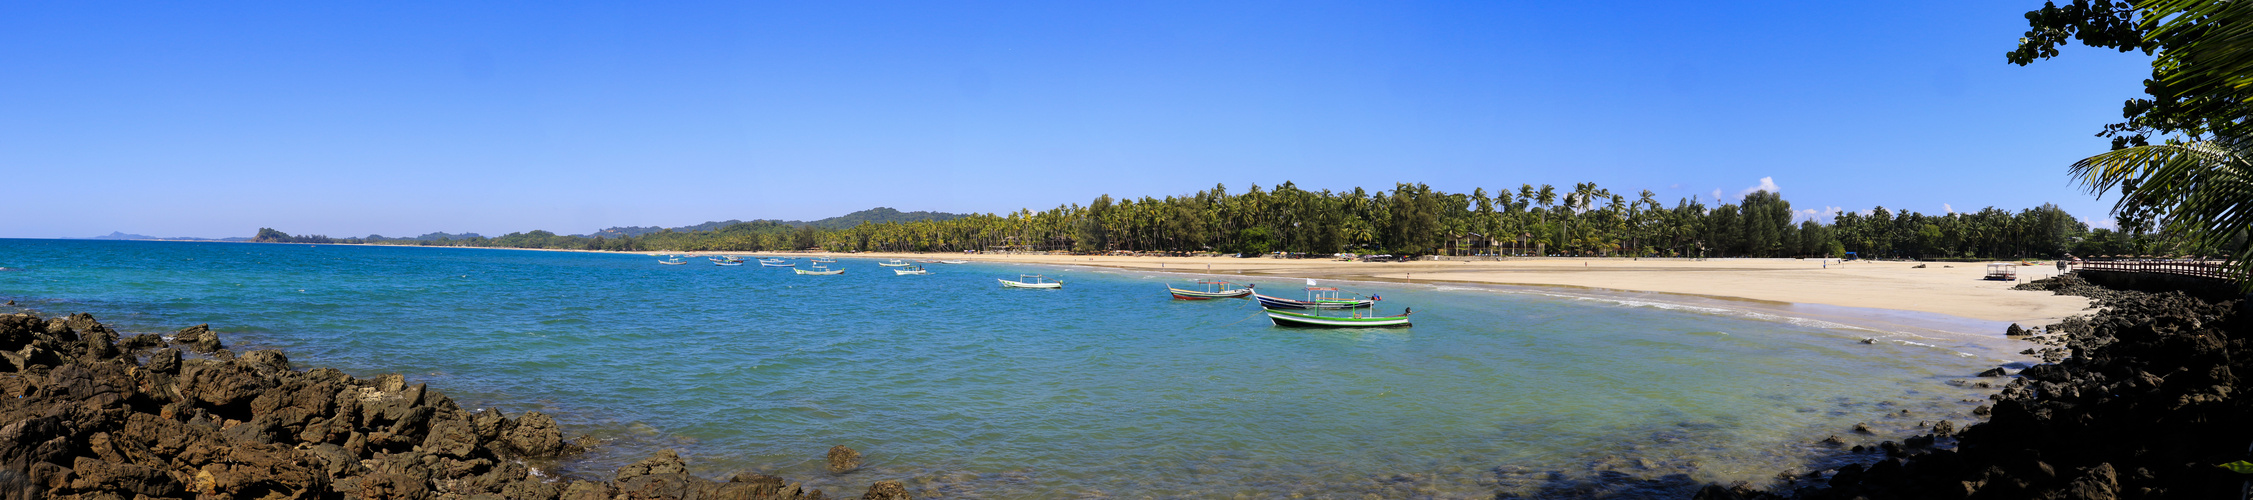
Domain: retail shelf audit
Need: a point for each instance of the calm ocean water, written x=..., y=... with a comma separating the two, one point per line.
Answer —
x=1105, y=388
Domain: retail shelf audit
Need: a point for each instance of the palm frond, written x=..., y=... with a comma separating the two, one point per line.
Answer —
x=2204, y=190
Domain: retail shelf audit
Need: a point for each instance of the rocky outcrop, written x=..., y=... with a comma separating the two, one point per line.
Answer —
x=87, y=416
x=843, y=460
x=2139, y=401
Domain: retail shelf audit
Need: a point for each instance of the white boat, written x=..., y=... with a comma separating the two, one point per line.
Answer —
x=1031, y=281
x=821, y=271
x=777, y=264
x=674, y=262
x=726, y=263
x=954, y=262
x=911, y=270
x=893, y=263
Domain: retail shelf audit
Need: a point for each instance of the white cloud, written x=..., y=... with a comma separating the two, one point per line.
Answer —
x=1766, y=184
x=1677, y=185
x=2112, y=224
x=1716, y=196
x=1826, y=215
x=1947, y=208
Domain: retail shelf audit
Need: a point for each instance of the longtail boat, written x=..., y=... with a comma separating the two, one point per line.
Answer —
x=777, y=264
x=1316, y=298
x=1208, y=290
x=910, y=270
x=1355, y=320
x=1031, y=281
x=893, y=263
x=820, y=270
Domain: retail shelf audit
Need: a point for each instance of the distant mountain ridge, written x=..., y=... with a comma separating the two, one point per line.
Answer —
x=878, y=215
x=120, y=235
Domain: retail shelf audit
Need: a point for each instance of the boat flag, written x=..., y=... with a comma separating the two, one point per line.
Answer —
x=1310, y=282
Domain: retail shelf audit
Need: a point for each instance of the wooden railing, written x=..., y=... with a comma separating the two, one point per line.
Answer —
x=2200, y=268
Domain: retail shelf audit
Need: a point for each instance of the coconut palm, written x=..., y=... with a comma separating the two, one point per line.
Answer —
x=2201, y=190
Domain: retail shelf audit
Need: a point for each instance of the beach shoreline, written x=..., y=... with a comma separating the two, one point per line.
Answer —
x=1950, y=289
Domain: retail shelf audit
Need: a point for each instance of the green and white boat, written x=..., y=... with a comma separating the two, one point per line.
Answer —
x=1355, y=320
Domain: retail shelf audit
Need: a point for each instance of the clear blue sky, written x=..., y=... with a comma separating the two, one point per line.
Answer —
x=203, y=119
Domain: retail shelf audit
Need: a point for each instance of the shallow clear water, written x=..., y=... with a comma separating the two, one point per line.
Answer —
x=1106, y=388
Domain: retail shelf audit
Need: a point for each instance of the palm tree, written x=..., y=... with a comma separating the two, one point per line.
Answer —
x=2200, y=190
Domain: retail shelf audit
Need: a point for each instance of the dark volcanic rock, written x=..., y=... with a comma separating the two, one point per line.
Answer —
x=87, y=419
x=199, y=337
x=843, y=460
x=536, y=435
x=886, y=490
x=664, y=462
x=2139, y=401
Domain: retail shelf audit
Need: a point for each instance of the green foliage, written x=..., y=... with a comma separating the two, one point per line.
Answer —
x=1254, y=240
x=1410, y=219
x=2193, y=186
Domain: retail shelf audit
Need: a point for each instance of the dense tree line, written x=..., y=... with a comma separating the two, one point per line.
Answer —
x=1408, y=220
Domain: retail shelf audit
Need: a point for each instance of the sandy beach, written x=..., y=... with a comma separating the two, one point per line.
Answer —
x=1949, y=288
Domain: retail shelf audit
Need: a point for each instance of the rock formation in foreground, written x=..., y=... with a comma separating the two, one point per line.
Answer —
x=2139, y=401
x=89, y=415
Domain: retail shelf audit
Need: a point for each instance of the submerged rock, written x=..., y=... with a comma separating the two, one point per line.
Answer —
x=843, y=460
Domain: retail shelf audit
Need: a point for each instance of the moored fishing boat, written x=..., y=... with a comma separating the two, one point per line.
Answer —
x=910, y=270
x=674, y=262
x=777, y=263
x=1355, y=320
x=1030, y=281
x=893, y=263
x=1208, y=290
x=1319, y=298
x=726, y=263
x=820, y=270
x=1316, y=298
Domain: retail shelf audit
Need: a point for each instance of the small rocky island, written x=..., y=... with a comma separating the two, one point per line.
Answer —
x=90, y=415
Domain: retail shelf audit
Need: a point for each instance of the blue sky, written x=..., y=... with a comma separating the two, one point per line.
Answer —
x=180, y=119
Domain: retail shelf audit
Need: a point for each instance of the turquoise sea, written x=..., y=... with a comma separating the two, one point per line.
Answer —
x=1106, y=388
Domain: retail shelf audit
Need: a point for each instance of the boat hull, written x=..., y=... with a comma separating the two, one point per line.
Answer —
x=904, y=272
x=1197, y=295
x=1018, y=284
x=820, y=273
x=1287, y=318
x=770, y=264
x=1283, y=303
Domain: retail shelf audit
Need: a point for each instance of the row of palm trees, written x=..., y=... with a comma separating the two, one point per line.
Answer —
x=1409, y=219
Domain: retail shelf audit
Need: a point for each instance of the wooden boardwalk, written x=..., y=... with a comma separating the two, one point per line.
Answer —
x=2212, y=269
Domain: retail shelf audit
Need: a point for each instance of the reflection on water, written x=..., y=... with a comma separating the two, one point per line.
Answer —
x=960, y=388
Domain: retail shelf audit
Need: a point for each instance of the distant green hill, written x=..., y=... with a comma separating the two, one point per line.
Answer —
x=876, y=215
